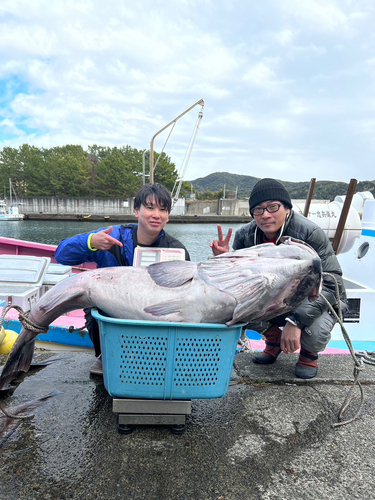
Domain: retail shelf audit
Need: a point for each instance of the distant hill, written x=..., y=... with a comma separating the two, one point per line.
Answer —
x=324, y=190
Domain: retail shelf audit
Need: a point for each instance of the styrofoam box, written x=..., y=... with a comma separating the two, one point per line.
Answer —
x=59, y=269
x=20, y=296
x=162, y=360
x=55, y=274
x=21, y=278
x=53, y=279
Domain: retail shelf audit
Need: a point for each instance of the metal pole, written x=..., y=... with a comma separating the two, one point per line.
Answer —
x=201, y=102
x=144, y=165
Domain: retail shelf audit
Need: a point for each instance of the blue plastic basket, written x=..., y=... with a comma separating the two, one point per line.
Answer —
x=159, y=360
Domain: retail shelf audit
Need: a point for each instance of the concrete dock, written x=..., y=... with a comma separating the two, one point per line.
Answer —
x=125, y=219
x=270, y=437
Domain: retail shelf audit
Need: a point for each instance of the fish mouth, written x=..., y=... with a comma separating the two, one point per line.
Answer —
x=311, y=285
x=317, y=269
x=316, y=272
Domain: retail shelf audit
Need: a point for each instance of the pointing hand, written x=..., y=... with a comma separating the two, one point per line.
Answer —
x=103, y=241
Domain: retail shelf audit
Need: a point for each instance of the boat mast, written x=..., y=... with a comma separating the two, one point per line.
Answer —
x=10, y=190
x=152, y=168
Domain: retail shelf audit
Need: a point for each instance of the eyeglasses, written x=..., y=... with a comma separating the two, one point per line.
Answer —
x=272, y=208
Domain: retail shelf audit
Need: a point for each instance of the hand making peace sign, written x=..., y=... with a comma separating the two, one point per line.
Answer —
x=221, y=245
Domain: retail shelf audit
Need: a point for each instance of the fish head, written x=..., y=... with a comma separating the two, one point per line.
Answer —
x=273, y=280
x=309, y=286
x=315, y=275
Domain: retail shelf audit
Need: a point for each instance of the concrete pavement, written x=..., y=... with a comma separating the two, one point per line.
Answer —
x=270, y=437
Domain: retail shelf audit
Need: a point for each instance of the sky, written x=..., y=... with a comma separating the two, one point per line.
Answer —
x=288, y=85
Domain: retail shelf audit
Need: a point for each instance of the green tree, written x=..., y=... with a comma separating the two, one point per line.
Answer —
x=69, y=171
x=36, y=177
x=25, y=166
x=8, y=169
x=208, y=195
x=114, y=176
x=165, y=172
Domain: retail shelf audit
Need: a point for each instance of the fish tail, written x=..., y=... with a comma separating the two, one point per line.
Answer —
x=51, y=394
x=19, y=358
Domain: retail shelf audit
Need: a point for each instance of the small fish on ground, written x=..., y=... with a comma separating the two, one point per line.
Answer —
x=12, y=416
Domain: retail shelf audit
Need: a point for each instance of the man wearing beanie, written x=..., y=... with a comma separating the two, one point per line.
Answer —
x=309, y=326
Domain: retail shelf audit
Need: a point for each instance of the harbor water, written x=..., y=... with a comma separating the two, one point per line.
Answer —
x=195, y=237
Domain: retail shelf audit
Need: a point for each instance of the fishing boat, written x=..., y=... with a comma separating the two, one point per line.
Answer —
x=10, y=213
x=359, y=273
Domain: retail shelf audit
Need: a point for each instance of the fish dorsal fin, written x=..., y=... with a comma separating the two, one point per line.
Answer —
x=172, y=274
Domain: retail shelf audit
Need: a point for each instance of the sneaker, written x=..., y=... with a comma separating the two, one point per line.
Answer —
x=97, y=367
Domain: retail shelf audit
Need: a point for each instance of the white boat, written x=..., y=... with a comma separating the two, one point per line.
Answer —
x=358, y=267
x=11, y=212
x=356, y=254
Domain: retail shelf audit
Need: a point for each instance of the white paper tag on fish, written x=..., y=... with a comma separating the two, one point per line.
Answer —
x=144, y=256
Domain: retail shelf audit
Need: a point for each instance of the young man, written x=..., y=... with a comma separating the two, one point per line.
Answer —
x=114, y=246
x=308, y=327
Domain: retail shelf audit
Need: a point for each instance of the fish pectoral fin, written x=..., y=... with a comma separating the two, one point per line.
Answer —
x=59, y=299
x=165, y=308
x=172, y=274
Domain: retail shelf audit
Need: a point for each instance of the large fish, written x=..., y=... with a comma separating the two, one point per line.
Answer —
x=241, y=286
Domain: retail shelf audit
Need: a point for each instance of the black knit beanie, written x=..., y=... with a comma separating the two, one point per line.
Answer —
x=269, y=189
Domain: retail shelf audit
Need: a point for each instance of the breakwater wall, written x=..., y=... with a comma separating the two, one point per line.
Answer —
x=76, y=206
x=60, y=207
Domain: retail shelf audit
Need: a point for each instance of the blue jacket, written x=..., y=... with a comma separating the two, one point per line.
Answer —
x=73, y=251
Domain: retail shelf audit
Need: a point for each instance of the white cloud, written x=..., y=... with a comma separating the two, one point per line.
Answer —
x=284, y=83
x=322, y=15
x=260, y=75
x=9, y=127
x=284, y=37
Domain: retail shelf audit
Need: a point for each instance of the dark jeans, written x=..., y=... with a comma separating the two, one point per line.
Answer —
x=93, y=331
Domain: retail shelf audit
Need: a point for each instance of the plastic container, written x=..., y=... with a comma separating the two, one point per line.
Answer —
x=327, y=216
x=161, y=360
x=21, y=278
x=59, y=269
x=358, y=201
